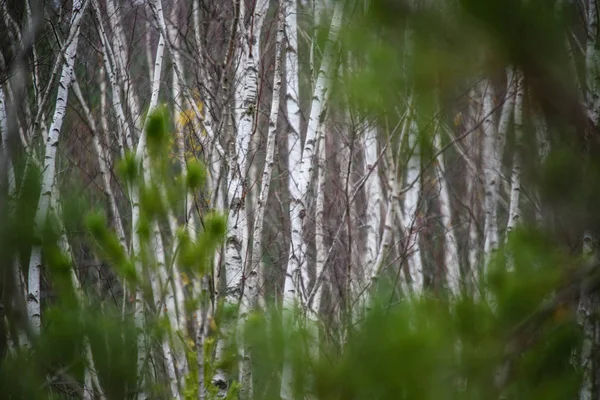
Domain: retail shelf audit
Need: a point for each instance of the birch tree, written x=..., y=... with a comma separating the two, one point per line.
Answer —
x=451, y=254
x=255, y=271
x=514, y=213
x=411, y=207
x=296, y=280
x=48, y=176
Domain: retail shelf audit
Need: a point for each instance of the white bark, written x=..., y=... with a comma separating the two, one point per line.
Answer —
x=374, y=197
x=490, y=175
x=48, y=179
x=109, y=60
x=493, y=149
x=514, y=213
x=122, y=60
x=292, y=103
x=322, y=251
x=135, y=216
x=255, y=271
x=294, y=141
x=292, y=73
x=238, y=230
x=175, y=308
x=451, y=257
x=392, y=211
x=411, y=206
x=296, y=279
x=253, y=40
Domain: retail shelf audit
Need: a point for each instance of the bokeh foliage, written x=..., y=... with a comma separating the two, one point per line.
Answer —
x=427, y=348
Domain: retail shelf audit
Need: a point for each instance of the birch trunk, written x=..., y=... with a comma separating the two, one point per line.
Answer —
x=514, y=213
x=294, y=140
x=320, y=219
x=175, y=308
x=253, y=39
x=392, y=212
x=314, y=307
x=411, y=207
x=122, y=61
x=374, y=196
x=493, y=149
x=48, y=179
x=296, y=279
x=472, y=193
x=238, y=231
x=255, y=271
x=135, y=217
x=292, y=101
x=490, y=175
x=109, y=61
x=451, y=255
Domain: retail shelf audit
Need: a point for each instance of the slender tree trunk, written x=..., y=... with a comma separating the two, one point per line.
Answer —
x=253, y=39
x=374, y=196
x=255, y=271
x=108, y=57
x=490, y=175
x=451, y=255
x=135, y=217
x=48, y=178
x=296, y=279
x=493, y=149
x=411, y=206
x=393, y=211
x=294, y=139
x=122, y=61
x=514, y=213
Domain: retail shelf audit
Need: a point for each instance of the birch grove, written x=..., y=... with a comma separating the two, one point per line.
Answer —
x=225, y=195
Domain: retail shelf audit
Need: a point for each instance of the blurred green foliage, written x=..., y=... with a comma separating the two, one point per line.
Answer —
x=473, y=347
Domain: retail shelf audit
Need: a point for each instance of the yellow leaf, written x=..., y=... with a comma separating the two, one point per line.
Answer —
x=185, y=279
x=458, y=119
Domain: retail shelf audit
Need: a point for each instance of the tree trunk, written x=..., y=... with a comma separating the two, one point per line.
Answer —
x=49, y=167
